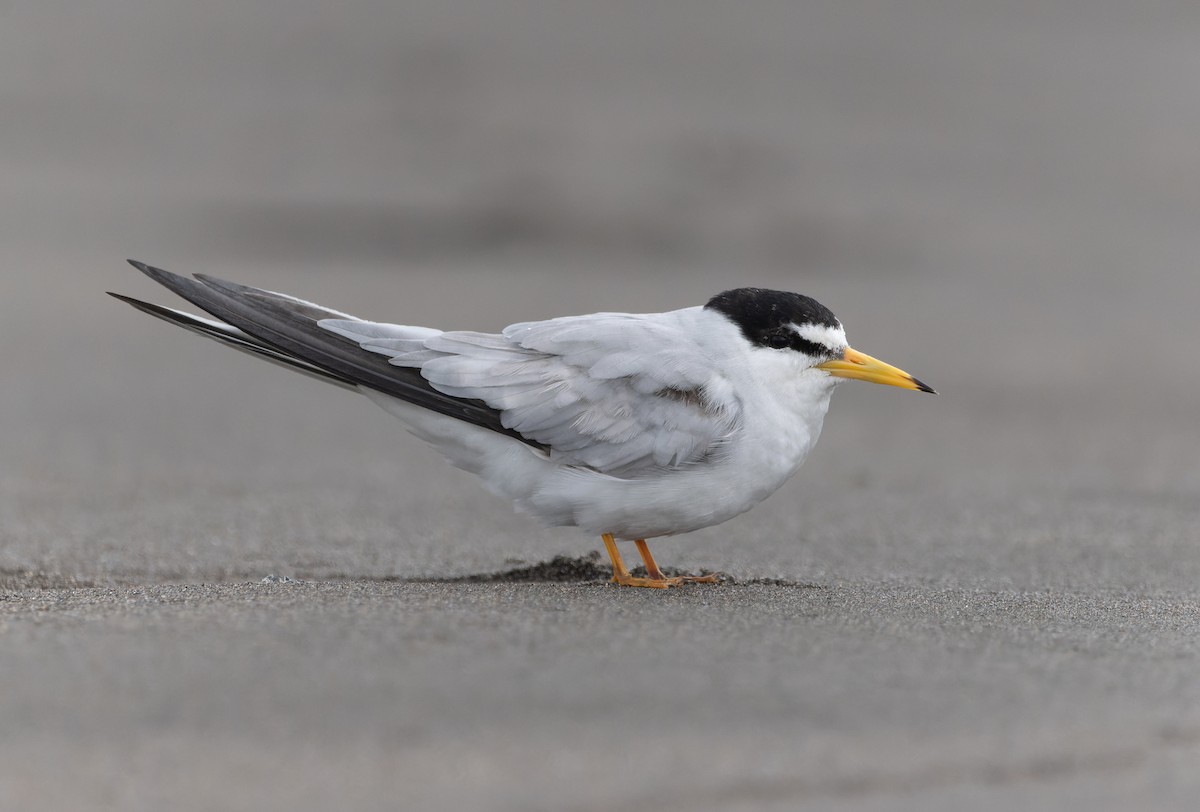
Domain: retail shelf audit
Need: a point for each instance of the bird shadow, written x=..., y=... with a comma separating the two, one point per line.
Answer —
x=561, y=569
x=587, y=569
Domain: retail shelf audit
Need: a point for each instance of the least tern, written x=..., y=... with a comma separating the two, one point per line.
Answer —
x=627, y=425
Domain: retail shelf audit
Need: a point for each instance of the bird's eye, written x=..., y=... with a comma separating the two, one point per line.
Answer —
x=778, y=341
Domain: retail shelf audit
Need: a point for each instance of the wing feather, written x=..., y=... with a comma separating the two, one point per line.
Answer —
x=290, y=327
x=623, y=394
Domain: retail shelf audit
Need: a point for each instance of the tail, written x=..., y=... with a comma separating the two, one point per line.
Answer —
x=284, y=330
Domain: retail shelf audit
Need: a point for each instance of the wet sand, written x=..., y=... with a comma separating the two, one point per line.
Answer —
x=986, y=599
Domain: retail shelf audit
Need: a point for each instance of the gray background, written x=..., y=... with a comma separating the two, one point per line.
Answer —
x=988, y=599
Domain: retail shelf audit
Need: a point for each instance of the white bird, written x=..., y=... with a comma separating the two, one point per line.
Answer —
x=628, y=425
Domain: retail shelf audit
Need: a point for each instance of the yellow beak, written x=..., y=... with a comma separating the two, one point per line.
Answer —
x=862, y=367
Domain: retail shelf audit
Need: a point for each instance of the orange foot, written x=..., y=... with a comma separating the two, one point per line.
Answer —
x=656, y=579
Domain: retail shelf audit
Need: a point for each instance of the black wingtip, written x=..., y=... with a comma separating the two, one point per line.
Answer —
x=129, y=299
x=224, y=285
x=181, y=285
x=924, y=387
x=145, y=307
x=157, y=274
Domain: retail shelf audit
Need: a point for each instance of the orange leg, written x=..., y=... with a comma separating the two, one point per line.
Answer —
x=621, y=574
x=654, y=572
x=656, y=580
x=651, y=565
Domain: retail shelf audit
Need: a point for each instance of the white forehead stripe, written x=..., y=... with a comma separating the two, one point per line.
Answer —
x=832, y=337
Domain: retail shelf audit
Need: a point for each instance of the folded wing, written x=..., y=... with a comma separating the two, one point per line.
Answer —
x=622, y=394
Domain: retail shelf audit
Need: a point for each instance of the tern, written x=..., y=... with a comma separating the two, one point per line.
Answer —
x=630, y=426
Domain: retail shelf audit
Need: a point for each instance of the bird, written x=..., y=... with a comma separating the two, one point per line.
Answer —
x=631, y=426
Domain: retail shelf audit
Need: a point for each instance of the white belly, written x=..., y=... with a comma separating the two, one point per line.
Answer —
x=752, y=467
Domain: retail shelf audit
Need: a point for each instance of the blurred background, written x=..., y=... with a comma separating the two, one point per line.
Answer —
x=985, y=598
x=1003, y=199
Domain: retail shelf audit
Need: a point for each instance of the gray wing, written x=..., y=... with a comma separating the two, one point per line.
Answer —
x=283, y=329
x=619, y=393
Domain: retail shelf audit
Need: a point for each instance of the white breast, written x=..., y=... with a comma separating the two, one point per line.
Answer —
x=783, y=405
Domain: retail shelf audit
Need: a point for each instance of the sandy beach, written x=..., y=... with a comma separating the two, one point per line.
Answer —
x=224, y=586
